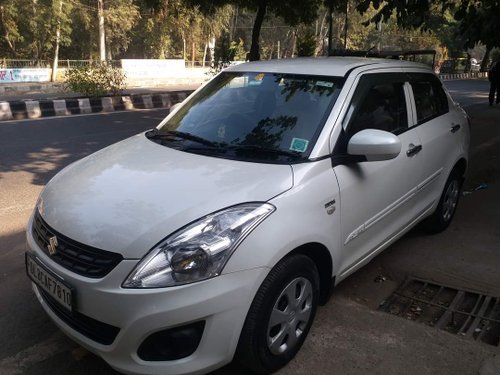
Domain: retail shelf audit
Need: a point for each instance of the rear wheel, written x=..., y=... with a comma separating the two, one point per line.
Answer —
x=280, y=316
x=441, y=218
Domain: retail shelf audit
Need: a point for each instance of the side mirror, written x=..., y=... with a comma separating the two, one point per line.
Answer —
x=374, y=144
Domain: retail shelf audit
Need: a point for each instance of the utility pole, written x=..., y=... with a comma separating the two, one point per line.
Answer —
x=58, y=41
x=102, y=38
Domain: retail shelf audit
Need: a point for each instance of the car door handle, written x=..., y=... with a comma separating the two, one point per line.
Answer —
x=455, y=128
x=413, y=150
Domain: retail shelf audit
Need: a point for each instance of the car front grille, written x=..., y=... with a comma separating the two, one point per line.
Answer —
x=95, y=330
x=77, y=257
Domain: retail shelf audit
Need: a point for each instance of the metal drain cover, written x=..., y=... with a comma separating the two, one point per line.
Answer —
x=469, y=314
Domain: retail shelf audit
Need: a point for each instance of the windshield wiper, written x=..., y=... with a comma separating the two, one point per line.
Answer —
x=174, y=134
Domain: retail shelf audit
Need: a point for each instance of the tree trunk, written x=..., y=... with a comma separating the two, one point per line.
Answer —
x=193, y=54
x=294, y=42
x=102, y=38
x=346, y=23
x=205, y=54
x=184, y=48
x=254, y=54
x=320, y=37
x=234, y=22
x=58, y=41
x=330, y=28
x=486, y=59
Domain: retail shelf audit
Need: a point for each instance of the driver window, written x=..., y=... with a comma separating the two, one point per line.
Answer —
x=378, y=105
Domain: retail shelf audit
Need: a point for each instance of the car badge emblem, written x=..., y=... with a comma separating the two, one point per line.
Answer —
x=330, y=207
x=52, y=246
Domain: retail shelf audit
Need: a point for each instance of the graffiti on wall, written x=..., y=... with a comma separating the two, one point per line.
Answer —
x=24, y=75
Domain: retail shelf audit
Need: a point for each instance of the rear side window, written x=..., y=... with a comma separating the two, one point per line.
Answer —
x=379, y=103
x=430, y=99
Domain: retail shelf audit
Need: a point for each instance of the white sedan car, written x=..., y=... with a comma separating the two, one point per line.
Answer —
x=216, y=235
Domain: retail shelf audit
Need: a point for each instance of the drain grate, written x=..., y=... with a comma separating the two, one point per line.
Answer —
x=469, y=314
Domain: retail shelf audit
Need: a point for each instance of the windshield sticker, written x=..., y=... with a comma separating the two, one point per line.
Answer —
x=259, y=77
x=299, y=144
x=324, y=84
x=221, y=133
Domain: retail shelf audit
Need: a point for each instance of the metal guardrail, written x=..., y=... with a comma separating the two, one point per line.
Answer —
x=23, y=63
x=63, y=63
x=69, y=64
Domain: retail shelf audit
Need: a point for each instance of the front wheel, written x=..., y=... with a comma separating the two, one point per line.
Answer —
x=280, y=316
x=441, y=218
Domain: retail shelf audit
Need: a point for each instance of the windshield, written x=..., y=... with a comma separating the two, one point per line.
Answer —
x=253, y=116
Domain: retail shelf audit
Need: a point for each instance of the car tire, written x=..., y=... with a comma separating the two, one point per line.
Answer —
x=441, y=218
x=280, y=316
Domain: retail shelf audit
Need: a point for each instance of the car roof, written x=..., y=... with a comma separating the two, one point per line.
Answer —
x=328, y=66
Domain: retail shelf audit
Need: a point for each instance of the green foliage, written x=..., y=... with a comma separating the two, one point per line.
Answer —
x=478, y=22
x=292, y=12
x=306, y=42
x=225, y=53
x=238, y=51
x=266, y=28
x=409, y=14
x=96, y=79
x=119, y=19
x=28, y=27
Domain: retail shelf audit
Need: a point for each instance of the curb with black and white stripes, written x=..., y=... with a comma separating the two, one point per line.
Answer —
x=471, y=75
x=32, y=109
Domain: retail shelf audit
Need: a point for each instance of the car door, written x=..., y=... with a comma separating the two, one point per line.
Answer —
x=377, y=197
x=439, y=130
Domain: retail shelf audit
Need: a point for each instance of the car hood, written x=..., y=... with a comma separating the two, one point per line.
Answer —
x=128, y=197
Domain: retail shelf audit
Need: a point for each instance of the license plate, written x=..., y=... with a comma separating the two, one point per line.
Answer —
x=49, y=282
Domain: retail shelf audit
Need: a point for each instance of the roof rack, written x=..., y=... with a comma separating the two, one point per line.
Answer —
x=409, y=55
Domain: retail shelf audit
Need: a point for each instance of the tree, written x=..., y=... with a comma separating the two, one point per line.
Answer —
x=8, y=26
x=478, y=23
x=477, y=20
x=292, y=12
x=306, y=42
x=120, y=17
x=409, y=14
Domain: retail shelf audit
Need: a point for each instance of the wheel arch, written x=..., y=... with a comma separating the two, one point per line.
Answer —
x=322, y=258
x=460, y=166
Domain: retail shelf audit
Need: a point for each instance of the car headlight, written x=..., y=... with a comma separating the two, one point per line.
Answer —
x=198, y=251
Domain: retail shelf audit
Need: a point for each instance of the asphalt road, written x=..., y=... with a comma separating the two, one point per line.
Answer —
x=469, y=92
x=349, y=337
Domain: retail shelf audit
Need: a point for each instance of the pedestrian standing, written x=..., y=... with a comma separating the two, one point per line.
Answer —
x=494, y=77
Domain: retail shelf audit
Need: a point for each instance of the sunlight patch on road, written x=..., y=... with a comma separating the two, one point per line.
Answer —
x=23, y=360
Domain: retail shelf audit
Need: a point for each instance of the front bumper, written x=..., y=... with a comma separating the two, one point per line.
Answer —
x=222, y=302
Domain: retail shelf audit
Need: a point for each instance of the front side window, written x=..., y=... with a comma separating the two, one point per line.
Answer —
x=378, y=103
x=253, y=116
x=430, y=99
